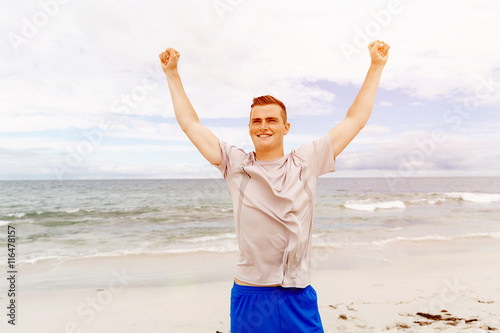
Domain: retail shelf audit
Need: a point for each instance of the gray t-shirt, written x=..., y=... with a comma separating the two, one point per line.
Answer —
x=273, y=203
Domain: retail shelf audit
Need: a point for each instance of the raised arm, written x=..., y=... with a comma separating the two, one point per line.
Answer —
x=204, y=140
x=361, y=109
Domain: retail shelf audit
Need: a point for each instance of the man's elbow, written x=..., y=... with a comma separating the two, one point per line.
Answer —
x=362, y=125
x=188, y=127
x=358, y=123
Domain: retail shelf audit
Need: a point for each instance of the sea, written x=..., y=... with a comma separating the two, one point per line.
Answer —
x=63, y=221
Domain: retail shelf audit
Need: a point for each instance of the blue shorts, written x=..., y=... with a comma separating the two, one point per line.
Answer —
x=274, y=310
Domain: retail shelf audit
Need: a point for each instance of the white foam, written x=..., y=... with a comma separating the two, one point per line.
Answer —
x=475, y=197
x=370, y=206
x=436, y=238
x=428, y=201
x=219, y=249
x=17, y=215
x=73, y=210
x=433, y=202
x=210, y=238
x=42, y=258
x=225, y=248
x=384, y=242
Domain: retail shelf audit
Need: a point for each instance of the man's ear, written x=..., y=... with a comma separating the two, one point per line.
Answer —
x=287, y=128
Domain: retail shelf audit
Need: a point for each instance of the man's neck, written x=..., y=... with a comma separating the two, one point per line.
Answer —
x=269, y=155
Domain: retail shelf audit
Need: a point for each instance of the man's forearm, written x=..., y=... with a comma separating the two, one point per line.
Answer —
x=184, y=111
x=362, y=106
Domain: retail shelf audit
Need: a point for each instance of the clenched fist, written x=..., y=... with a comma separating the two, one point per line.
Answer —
x=169, y=59
x=379, y=52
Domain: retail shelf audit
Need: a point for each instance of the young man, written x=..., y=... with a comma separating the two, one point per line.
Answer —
x=273, y=200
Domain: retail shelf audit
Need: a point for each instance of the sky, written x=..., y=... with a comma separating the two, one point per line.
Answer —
x=84, y=96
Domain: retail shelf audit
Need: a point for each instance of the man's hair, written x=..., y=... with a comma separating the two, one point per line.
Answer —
x=269, y=100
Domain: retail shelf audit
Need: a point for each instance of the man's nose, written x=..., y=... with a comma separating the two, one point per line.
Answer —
x=263, y=125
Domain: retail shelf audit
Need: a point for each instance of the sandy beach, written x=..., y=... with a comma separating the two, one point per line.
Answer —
x=451, y=287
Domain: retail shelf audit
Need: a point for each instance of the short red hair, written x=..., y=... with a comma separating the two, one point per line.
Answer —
x=269, y=100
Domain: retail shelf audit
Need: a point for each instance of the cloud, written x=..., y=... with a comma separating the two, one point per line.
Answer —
x=411, y=152
x=373, y=130
x=98, y=61
x=385, y=104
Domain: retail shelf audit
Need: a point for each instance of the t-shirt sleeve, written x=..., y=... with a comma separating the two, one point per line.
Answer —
x=231, y=157
x=319, y=154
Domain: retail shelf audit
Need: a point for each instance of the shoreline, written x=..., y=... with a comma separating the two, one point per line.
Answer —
x=164, y=270
x=369, y=296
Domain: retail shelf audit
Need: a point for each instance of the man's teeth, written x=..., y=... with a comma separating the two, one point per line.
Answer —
x=263, y=135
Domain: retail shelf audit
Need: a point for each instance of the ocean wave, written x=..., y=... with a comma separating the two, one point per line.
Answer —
x=36, y=215
x=14, y=215
x=475, y=197
x=218, y=249
x=209, y=238
x=43, y=258
x=4, y=223
x=42, y=214
x=433, y=201
x=225, y=248
x=399, y=239
x=435, y=237
x=370, y=206
x=395, y=201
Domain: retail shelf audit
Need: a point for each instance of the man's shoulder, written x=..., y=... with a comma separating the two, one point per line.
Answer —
x=233, y=149
x=233, y=154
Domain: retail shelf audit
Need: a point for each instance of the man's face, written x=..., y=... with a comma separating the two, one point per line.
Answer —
x=266, y=127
